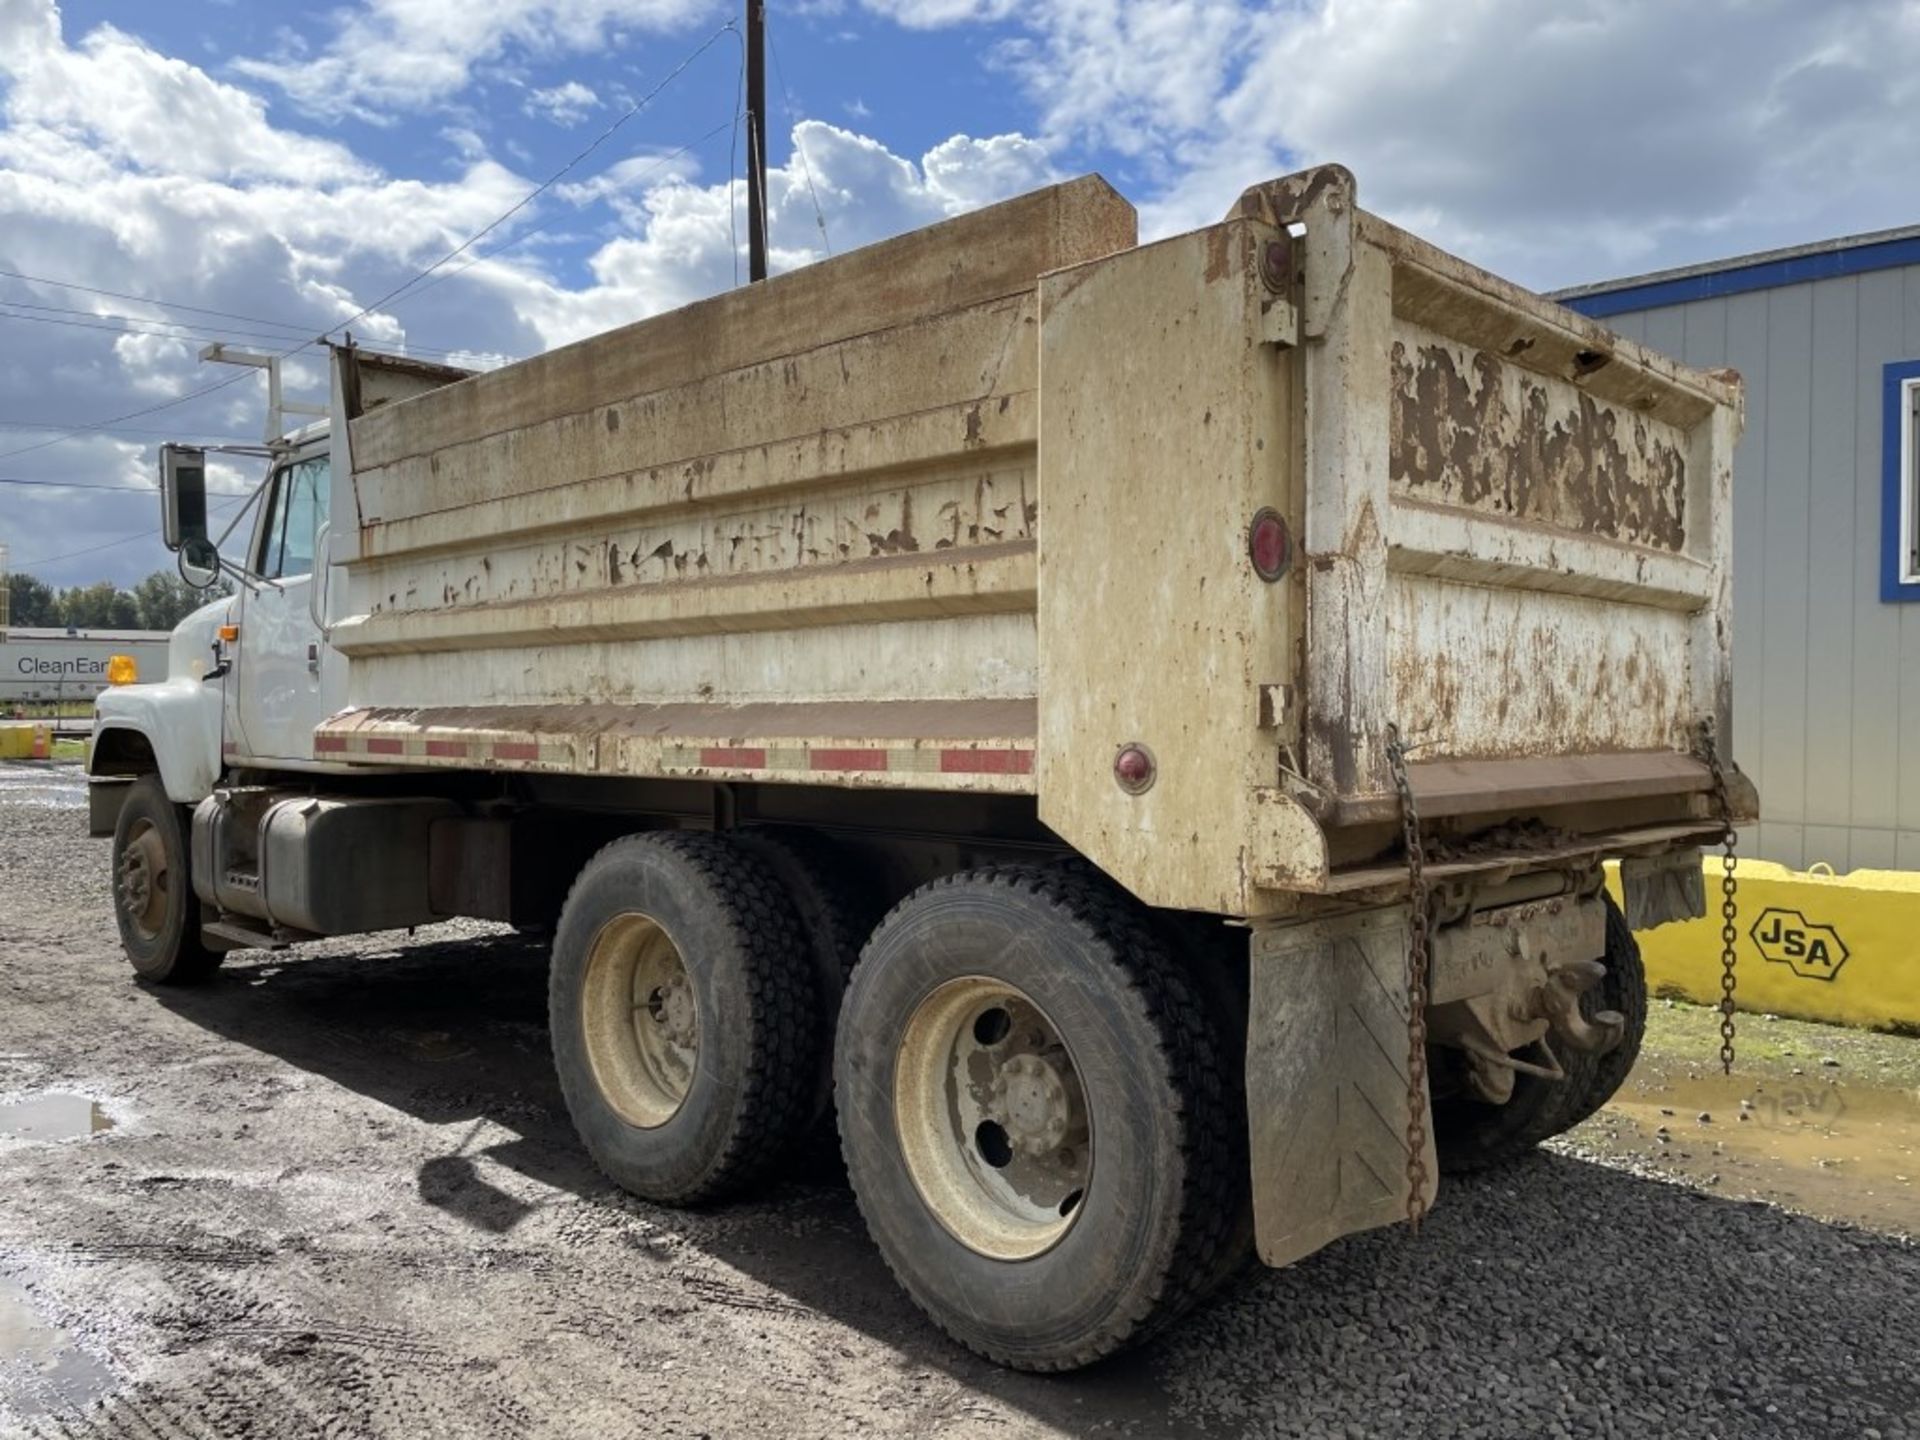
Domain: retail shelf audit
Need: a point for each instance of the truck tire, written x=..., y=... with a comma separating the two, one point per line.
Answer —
x=153, y=899
x=1035, y=1117
x=1472, y=1135
x=837, y=914
x=1624, y=988
x=684, y=1018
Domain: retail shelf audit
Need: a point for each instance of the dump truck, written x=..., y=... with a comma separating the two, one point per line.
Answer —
x=1127, y=735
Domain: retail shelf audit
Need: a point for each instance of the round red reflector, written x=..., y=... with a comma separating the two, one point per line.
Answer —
x=1133, y=767
x=1270, y=545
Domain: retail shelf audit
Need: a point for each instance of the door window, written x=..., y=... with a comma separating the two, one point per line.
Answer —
x=295, y=513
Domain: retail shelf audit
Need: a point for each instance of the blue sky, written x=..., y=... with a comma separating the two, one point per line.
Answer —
x=292, y=164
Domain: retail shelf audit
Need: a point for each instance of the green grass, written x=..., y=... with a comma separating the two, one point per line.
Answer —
x=69, y=750
x=1680, y=1033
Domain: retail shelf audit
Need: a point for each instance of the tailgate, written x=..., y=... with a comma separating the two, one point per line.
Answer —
x=1517, y=529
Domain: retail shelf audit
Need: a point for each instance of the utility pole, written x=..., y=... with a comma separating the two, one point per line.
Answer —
x=756, y=139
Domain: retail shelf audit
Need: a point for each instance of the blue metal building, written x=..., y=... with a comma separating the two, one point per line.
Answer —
x=1826, y=527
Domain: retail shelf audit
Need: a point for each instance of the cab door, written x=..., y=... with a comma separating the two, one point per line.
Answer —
x=285, y=678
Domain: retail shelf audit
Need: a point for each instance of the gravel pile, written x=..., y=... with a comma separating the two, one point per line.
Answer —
x=340, y=1197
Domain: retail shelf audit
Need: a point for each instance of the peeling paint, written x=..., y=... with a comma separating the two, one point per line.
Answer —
x=1472, y=430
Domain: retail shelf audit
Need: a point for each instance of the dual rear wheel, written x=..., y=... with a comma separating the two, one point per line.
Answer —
x=1035, y=1105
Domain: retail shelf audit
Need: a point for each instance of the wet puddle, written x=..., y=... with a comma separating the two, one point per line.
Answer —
x=41, y=1368
x=53, y=1117
x=1836, y=1148
x=49, y=784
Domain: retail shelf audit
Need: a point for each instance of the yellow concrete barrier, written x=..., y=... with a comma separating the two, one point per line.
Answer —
x=26, y=742
x=1840, y=948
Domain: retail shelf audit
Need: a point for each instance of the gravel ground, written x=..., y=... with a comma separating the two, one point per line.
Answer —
x=337, y=1196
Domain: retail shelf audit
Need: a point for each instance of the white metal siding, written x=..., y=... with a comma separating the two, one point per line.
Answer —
x=1826, y=674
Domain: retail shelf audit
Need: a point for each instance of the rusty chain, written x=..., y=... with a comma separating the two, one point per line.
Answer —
x=1419, y=927
x=1729, y=887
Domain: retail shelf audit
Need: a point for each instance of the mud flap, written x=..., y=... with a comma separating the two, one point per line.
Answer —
x=1327, y=1081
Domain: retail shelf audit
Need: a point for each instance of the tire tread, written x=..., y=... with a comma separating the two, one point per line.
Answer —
x=774, y=1108
x=1212, y=1153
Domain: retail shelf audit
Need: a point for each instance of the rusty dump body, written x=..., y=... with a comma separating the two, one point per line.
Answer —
x=970, y=510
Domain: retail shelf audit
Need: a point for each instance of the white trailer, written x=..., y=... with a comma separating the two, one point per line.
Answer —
x=46, y=666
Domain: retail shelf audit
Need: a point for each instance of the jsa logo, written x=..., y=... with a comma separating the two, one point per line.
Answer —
x=1808, y=948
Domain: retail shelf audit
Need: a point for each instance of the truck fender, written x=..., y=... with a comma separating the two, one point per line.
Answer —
x=171, y=729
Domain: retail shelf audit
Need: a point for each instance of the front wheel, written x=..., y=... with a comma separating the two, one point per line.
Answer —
x=1033, y=1105
x=153, y=900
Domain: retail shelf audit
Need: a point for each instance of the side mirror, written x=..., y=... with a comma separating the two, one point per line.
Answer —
x=199, y=563
x=183, y=514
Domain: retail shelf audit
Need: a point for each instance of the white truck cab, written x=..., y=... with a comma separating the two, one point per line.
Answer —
x=266, y=643
x=285, y=679
x=251, y=674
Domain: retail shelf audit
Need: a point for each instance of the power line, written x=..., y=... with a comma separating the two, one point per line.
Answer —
x=543, y=186
x=108, y=424
x=22, y=566
x=178, y=333
x=174, y=334
x=150, y=300
x=252, y=439
x=534, y=230
x=393, y=294
x=806, y=168
x=83, y=485
x=79, y=485
x=733, y=151
x=196, y=326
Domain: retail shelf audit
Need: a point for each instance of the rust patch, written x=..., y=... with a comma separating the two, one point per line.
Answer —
x=1471, y=430
x=1219, y=254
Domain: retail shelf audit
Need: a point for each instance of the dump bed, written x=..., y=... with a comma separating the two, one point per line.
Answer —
x=990, y=505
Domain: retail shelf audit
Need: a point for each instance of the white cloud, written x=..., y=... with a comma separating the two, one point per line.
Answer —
x=1557, y=142
x=394, y=55
x=962, y=173
x=1129, y=75
x=565, y=105
x=143, y=109
x=685, y=248
x=96, y=188
x=929, y=14
x=1570, y=142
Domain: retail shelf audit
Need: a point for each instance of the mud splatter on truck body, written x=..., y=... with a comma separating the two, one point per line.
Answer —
x=969, y=510
x=1227, y=660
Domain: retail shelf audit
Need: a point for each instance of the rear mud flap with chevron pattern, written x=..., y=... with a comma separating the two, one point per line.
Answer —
x=1327, y=1081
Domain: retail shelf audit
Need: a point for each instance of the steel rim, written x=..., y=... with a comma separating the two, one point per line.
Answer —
x=146, y=880
x=641, y=1020
x=992, y=1118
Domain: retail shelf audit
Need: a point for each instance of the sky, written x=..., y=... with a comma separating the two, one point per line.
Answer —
x=257, y=172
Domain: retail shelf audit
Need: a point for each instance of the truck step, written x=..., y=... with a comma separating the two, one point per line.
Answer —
x=236, y=933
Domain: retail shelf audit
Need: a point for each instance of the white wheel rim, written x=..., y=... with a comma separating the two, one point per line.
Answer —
x=641, y=1020
x=992, y=1118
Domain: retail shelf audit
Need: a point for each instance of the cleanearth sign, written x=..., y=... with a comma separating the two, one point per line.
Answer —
x=53, y=665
